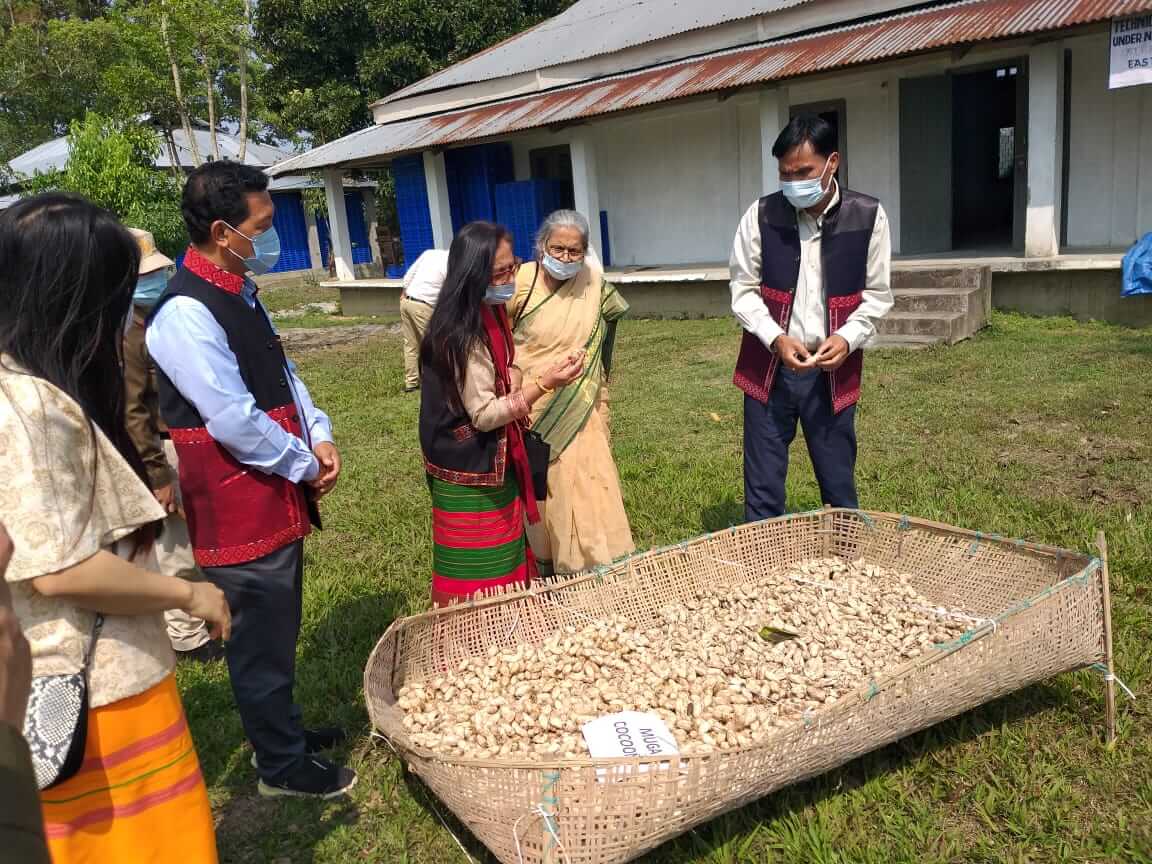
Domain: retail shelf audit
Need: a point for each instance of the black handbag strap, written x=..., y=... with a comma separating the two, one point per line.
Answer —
x=528, y=299
x=90, y=648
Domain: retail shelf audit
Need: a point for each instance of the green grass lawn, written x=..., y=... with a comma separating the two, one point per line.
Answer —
x=299, y=295
x=291, y=295
x=1038, y=429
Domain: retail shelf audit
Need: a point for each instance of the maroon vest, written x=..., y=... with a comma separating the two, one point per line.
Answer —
x=845, y=237
x=235, y=513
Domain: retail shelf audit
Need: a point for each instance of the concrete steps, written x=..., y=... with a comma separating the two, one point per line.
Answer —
x=936, y=306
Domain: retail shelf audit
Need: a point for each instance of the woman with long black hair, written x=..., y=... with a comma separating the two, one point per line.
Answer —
x=75, y=498
x=473, y=413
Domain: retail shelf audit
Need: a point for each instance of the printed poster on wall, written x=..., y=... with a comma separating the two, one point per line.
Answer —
x=1130, y=56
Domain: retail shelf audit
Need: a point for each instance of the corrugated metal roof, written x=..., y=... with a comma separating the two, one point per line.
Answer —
x=909, y=33
x=53, y=155
x=591, y=28
x=293, y=182
x=258, y=155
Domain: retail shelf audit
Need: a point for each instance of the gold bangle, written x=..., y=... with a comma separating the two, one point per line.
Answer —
x=540, y=384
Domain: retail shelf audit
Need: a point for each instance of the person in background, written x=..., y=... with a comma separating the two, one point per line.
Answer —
x=810, y=273
x=473, y=411
x=422, y=285
x=189, y=636
x=255, y=456
x=563, y=304
x=76, y=502
x=21, y=826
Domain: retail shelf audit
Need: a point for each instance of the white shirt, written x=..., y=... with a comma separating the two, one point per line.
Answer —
x=186, y=342
x=808, y=323
x=425, y=277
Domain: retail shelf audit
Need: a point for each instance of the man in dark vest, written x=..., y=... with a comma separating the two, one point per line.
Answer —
x=810, y=278
x=255, y=455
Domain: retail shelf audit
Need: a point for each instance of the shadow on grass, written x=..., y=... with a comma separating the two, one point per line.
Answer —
x=729, y=513
x=427, y=799
x=251, y=829
x=724, y=514
x=329, y=689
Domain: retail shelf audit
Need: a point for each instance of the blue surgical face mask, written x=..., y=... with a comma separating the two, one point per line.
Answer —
x=149, y=287
x=803, y=194
x=498, y=294
x=562, y=270
x=265, y=251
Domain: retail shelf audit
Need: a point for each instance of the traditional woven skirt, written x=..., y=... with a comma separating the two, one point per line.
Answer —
x=478, y=539
x=139, y=795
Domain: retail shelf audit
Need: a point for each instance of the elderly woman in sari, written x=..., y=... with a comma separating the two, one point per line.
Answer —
x=563, y=304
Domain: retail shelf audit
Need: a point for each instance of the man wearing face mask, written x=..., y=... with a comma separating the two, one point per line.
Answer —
x=189, y=636
x=255, y=456
x=810, y=271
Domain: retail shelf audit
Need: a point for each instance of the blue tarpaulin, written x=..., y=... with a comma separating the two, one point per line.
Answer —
x=1138, y=269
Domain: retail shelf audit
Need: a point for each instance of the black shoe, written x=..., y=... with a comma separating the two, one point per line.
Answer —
x=316, y=741
x=209, y=652
x=411, y=389
x=312, y=778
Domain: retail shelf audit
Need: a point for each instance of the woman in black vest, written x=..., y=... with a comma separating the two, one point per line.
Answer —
x=473, y=413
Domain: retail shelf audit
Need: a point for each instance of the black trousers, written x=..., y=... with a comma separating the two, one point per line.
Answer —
x=768, y=433
x=266, y=597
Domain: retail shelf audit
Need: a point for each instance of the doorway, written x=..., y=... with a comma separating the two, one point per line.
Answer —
x=985, y=144
x=834, y=113
x=963, y=159
x=554, y=163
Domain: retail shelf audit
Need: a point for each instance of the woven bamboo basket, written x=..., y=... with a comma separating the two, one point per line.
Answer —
x=1045, y=611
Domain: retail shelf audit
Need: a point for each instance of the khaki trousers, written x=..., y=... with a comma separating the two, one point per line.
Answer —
x=174, y=557
x=414, y=318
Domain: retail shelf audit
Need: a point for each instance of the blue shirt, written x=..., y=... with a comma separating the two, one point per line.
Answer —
x=191, y=348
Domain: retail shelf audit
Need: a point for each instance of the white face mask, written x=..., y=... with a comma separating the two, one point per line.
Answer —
x=498, y=294
x=562, y=270
x=803, y=194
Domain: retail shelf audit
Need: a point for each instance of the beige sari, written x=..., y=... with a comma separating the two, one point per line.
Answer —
x=584, y=523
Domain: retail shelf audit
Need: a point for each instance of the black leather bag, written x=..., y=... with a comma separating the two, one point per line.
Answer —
x=539, y=455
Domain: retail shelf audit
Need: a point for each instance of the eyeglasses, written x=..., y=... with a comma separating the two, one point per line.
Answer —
x=563, y=253
x=505, y=272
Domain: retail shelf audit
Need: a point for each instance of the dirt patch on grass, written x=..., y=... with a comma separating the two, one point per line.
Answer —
x=1066, y=461
x=303, y=339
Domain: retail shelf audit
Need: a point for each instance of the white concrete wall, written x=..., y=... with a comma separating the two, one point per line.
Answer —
x=1110, y=153
x=675, y=182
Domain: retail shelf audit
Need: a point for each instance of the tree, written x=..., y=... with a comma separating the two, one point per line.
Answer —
x=329, y=58
x=50, y=73
x=178, y=62
x=111, y=164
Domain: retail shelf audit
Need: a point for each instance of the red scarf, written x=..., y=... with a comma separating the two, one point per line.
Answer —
x=503, y=353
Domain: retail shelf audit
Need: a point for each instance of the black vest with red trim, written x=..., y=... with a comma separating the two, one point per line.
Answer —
x=845, y=236
x=455, y=450
x=236, y=513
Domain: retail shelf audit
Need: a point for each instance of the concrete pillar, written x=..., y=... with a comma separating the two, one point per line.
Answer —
x=338, y=234
x=368, y=196
x=316, y=260
x=1045, y=144
x=439, y=207
x=586, y=184
x=773, y=118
